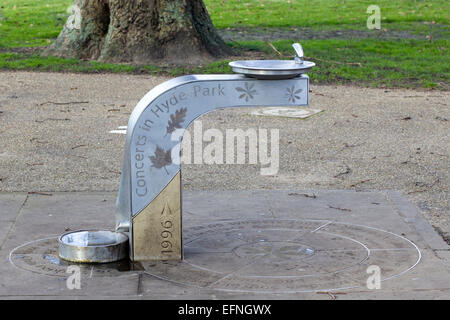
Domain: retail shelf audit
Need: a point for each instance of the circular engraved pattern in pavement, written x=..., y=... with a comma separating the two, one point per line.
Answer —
x=282, y=256
x=41, y=256
x=269, y=255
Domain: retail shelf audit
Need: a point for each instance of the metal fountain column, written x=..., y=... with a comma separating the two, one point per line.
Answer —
x=149, y=205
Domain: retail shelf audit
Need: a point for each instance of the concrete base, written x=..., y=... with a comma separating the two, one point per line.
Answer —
x=316, y=244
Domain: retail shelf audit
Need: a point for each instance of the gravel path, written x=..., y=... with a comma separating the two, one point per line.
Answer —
x=55, y=136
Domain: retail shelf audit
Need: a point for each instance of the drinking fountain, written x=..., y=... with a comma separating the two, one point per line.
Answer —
x=149, y=204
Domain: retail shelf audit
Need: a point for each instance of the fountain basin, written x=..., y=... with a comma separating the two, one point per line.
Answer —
x=271, y=69
x=93, y=246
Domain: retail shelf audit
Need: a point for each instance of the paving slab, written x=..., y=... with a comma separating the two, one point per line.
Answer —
x=254, y=244
x=10, y=207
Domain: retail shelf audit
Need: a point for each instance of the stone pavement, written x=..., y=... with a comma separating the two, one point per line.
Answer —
x=283, y=244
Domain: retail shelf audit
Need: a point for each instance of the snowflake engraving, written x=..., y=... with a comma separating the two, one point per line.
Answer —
x=248, y=92
x=292, y=94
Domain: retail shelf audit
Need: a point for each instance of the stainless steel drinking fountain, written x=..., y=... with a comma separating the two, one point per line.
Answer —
x=149, y=200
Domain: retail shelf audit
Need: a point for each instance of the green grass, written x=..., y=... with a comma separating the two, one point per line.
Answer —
x=321, y=13
x=30, y=23
x=35, y=62
x=382, y=63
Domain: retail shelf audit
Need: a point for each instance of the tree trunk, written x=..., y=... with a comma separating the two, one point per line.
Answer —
x=139, y=31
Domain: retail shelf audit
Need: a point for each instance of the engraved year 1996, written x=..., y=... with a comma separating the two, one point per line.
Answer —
x=166, y=233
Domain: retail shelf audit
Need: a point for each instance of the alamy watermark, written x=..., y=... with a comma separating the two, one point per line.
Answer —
x=260, y=146
x=374, y=280
x=74, y=280
x=374, y=20
x=74, y=20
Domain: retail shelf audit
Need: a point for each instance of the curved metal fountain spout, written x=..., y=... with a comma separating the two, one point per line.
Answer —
x=149, y=199
x=298, y=53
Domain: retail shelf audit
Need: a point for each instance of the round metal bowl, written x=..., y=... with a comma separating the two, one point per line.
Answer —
x=93, y=246
x=271, y=69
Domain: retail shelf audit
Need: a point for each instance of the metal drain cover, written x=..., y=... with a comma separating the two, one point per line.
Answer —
x=288, y=112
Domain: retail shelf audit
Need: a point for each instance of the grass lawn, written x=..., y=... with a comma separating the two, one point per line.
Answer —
x=415, y=61
x=320, y=14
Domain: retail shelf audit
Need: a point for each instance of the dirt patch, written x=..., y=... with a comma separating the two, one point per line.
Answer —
x=23, y=50
x=271, y=34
